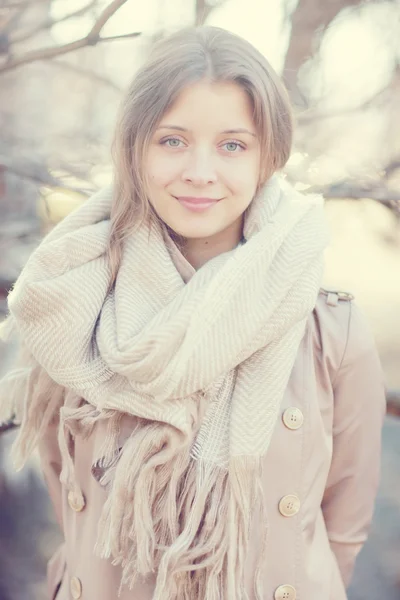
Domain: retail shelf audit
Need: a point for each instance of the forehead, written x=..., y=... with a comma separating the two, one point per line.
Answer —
x=221, y=105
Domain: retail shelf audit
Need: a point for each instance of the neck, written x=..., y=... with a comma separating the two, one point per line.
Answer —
x=198, y=251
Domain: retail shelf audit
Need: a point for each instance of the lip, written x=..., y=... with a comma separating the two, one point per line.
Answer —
x=197, y=204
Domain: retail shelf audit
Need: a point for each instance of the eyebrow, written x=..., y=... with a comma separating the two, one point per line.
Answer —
x=238, y=130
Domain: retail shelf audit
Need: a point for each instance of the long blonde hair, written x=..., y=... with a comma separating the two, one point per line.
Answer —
x=174, y=63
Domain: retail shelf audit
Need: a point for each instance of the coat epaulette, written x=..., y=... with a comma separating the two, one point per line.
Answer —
x=334, y=296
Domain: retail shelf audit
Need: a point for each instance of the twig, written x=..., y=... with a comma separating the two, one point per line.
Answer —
x=91, y=39
x=105, y=16
x=50, y=22
x=86, y=73
x=122, y=36
x=46, y=53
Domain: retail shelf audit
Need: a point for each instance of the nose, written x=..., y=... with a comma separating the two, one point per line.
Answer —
x=200, y=168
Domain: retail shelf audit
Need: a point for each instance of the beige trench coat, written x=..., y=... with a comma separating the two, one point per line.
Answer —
x=320, y=474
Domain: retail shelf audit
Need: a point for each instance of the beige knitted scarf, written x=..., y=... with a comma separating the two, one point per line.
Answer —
x=202, y=367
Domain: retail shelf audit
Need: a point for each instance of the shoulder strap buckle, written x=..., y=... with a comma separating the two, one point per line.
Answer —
x=334, y=296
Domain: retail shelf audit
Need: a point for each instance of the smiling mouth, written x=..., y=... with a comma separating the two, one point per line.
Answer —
x=197, y=204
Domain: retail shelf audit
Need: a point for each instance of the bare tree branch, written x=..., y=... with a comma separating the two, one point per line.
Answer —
x=20, y=3
x=203, y=9
x=344, y=190
x=43, y=178
x=48, y=23
x=122, y=36
x=91, y=39
x=105, y=16
x=88, y=73
x=31, y=176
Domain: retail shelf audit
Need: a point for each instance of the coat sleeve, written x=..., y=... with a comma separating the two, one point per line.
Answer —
x=359, y=409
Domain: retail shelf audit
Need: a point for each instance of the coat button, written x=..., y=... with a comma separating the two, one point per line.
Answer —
x=75, y=588
x=76, y=501
x=285, y=592
x=293, y=418
x=289, y=505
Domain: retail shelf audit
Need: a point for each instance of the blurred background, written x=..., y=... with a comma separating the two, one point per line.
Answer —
x=64, y=65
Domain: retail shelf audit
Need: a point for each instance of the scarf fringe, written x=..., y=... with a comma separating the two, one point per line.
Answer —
x=32, y=399
x=186, y=521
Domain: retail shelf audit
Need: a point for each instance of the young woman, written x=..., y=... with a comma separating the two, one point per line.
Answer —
x=208, y=418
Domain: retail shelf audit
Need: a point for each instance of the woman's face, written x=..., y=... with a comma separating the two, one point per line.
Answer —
x=203, y=164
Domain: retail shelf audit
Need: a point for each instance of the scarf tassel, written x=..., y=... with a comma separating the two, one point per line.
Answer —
x=185, y=521
x=33, y=400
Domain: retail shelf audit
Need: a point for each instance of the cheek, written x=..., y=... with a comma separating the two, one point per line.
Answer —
x=161, y=170
x=244, y=178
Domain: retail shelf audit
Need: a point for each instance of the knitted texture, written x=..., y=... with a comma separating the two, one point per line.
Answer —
x=202, y=367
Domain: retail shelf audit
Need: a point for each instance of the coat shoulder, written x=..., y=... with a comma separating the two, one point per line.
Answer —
x=332, y=310
x=329, y=325
x=340, y=331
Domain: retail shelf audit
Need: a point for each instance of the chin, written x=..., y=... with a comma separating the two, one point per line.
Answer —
x=195, y=231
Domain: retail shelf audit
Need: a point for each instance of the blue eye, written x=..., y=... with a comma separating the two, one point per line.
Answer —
x=233, y=146
x=171, y=142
